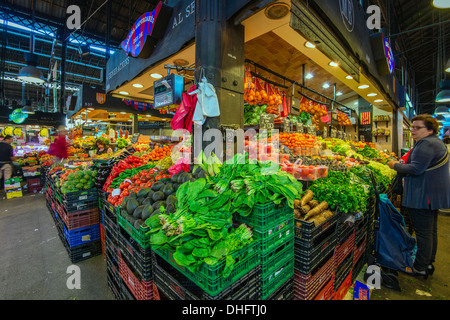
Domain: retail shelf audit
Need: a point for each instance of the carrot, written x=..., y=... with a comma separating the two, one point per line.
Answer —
x=313, y=203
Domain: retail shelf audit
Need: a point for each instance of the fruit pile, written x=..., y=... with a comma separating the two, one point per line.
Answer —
x=158, y=153
x=78, y=180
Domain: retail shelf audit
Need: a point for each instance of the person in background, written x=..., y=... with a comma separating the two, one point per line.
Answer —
x=101, y=147
x=6, y=158
x=59, y=147
x=426, y=188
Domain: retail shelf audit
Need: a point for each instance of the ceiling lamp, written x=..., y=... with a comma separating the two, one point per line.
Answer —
x=124, y=93
x=310, y=45
x=339, y=94
x=28, y=110
x=325, y=86
x=137, y=85
x=349, y=77
x=30, y=73
x=364, y=86
x=447, y=67
x=379, y=100
x=333, y=64
x=277, y=10
x=444, y=95
x=156, y=75
x=309, y=76
x=441, y=4
x=441, y=110
x=372, y=94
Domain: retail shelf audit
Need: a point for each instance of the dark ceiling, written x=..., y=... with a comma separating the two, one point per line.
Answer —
x=420, y=47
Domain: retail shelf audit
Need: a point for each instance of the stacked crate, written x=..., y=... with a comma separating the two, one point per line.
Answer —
x=273, y=226
x=134, y=258
x=315, y=259
x=78, y=222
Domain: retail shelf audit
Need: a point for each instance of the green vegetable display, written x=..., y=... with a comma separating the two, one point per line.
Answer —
x=122, y=143
x=79, y=180
x=201, y=228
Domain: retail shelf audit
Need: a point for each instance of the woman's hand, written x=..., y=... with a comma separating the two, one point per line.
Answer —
x=392, y=163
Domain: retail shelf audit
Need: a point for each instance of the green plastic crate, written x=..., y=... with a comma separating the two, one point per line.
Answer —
x=139, y=235
x=277, y=259
x=210, y=278
x=270, y=283
x=276, y=234
x=264, y=216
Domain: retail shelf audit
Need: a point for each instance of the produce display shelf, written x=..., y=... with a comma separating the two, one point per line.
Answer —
x=141, y=236
x=138, y=258
x=360, y=248
x=140, y=289
x=177, y=286
x=210, y=278
x=272, y=282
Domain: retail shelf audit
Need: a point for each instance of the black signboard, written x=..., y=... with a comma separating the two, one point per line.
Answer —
x=267, y=121
x=287, y=125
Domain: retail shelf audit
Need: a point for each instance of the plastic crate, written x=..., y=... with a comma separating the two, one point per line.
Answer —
x=270, y=283
x=111, y=226
x=177, y=286
x=345, y=248
x=342, y=271
x=136, y=256
x=81, y=236
x=308, y=230
x=307, y=286
x=308, y=254
x=79, y=219
x=113, y=285
x=340, y=293
x=112, y=247
x=276, y=257
x=284, y=292
x=360, y=248
x=141, y=235
x=266, y=215
x=141, y=290
x=82, y=195
x=83, y=251
x=275, y=235
x=210, y=278
x=327, y=292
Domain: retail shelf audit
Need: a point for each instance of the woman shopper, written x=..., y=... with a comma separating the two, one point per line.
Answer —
x=59, y=147
x=426, y=188
x=101, y=147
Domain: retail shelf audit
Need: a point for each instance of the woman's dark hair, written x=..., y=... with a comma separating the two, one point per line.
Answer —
x=430, y=122
x=101, y=142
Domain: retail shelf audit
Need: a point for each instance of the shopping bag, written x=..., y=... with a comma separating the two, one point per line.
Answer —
x=207, y=102
x=185, y=111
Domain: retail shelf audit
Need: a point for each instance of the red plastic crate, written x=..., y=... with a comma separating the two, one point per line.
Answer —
x=306, y=287
x=344, y=249
x=343, y=289
x=327, y=292
x=80, y=219
x=140, y=289
x=359, y=249
x=102, y=239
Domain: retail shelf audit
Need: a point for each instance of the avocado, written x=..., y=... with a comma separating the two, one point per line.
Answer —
x=176, y=186
x=174, y=178
x=133, y=194
x=181, y=177
x=155, y=213
x=157, y=205
x=138, y=223
x=132, y=220
x=168, y=189
x=158, y=195
x=201, y=174
x=172, y=199
x=143, y=192
x=124, y=202
x=147, y=211
x=147, y=201
x=137, y=212
x=150, y=193
x=157, y=186
x=170, y=208
x=140, y=200
x=132, y=204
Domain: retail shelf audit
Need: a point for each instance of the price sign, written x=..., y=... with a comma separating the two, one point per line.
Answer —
x=287, y=125
x=333, y=133
x=135, y=138
x=299, y=127
x=325, y=132
x=266, y=121
x=339, y=135
x=312, y=130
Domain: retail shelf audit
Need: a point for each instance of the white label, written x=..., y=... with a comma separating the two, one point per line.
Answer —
x=86, y=237
x=115, y=192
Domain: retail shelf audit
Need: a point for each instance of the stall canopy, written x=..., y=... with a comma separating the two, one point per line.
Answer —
x=94, y=98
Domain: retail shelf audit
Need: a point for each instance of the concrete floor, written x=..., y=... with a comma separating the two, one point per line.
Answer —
x=34, y=262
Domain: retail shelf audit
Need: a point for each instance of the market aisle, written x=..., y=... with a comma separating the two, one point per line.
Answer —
x=34, y=261
x=437, y=287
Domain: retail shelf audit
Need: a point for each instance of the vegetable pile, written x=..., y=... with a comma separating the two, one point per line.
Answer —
x=311, y=210
x=201, y=228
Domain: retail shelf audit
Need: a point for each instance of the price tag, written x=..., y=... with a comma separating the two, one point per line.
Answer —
x=287, y=125
x=339, y=135
x=325, y=132
x=300, y=127
x=266, y=121
x=333, y=133
x=312, y=130
x=115, y=192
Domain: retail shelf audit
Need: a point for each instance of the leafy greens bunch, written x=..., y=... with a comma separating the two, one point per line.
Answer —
x=201, y=229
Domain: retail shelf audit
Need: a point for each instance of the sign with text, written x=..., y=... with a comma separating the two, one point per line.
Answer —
x=287, y=125
x=267, y=121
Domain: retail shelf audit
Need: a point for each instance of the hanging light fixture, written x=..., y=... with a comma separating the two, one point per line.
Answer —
x=444, y=95
x=277, y=10
x=441, y=110
x=441, y=4
x=30, y=73
x=447, y=67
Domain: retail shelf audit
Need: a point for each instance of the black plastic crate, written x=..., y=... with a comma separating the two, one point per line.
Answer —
x=79, y=205
x=342, y=271
x=284, y=292
x=312, y=244
x=308, y=230
x=358, y=267
x=84, y=251
x=111, y=225
x=305, y=262
x=137, y=257
x=110, y=213
x=113, y=284
x=125, y=293
x=178, y=287
x=81, y=195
